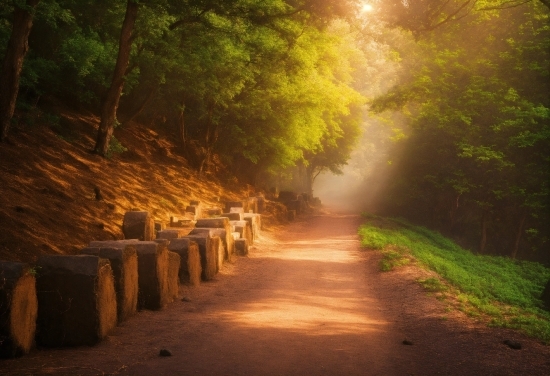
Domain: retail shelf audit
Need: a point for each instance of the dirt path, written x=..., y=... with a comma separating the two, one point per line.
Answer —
x=306, y=302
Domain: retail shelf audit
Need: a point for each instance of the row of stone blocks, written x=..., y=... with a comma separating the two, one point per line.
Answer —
x=231, y=228
x=76, y=300
x=297, y=204
x=195, y=210
x=70, y=300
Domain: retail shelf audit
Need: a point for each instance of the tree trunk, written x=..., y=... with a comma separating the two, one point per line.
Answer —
x=13, y=63
x=143, y=104
x=181, y=124
x=519, y=233
x=210, y=138
x=452, y=213
x=484, y=223
x=110, y=103
x=310, y=178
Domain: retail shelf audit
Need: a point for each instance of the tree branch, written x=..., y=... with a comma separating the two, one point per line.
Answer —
x=511, y=4
x=453, y=15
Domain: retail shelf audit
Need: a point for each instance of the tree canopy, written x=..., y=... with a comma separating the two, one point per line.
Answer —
x=254, y=88
x=267, y=84
x=474, y=91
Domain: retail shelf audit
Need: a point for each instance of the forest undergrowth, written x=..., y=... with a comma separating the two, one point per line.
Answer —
x=499, y=291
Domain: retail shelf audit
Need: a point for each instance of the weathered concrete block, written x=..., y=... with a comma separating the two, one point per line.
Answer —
x=125, y=272
x=159, y=226
x=252, y=205
x=214, y=212
x=296, y=205
x=138, y=225
x=233, y=216
x=236, y=204
x=220, y=252
x=203, y=231
x=190, y=263
x=255, y=221
x=186, y=220
x=241, y=247
x=228, y=242
x=220, y=223
x=285, y=196
x=195, y=210
x=174, y=262
x=119, y=244
x=244, y=229
x=174, y=233
x=162, y=242
x=18, y=309
x=208, y=253
x=152, y=270
x=153, y=264
x=76, y=300
x=236, y=210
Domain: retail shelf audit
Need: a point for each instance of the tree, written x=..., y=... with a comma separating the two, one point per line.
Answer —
x=474, y=159
x=13, y=62
x=112, y=98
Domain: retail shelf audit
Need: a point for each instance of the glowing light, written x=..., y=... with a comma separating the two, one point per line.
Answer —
x=366, y=8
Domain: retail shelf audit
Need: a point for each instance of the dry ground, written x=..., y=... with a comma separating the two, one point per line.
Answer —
x=307, y=301
x=48, y=176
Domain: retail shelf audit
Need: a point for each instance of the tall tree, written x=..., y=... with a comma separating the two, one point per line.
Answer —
x=13, y=61
x=112, y=98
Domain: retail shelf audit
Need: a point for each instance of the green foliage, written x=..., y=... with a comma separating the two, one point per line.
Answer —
x=432, y=284
x=115, y=147
x=393, y=257
x=474, y=158
x=268, y=83
x=35, y=270
x=507, y=290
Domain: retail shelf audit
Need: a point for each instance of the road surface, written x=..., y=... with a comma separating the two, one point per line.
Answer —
x=307, y=301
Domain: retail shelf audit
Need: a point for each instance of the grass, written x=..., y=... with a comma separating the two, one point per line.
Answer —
x=433, y=284
x=504, y=290
x=393, y=257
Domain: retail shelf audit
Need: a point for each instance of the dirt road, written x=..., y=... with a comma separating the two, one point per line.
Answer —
x=308, y=301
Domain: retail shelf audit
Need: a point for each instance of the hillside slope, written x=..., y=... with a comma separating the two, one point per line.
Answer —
x=48, y=176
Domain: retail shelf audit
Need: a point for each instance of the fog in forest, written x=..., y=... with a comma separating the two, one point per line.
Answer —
x=362, y=183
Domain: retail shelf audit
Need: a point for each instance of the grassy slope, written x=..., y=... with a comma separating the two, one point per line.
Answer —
x=500, y=290
x=47, y=180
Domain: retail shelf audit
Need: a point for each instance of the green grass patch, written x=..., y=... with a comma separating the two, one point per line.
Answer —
x=393, y=257
x=433, y=284
x=507, y=291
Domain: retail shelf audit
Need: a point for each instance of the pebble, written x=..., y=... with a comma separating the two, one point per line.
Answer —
x=513, y=344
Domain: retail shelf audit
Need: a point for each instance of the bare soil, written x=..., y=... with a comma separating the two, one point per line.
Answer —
x=307, y=301
x=48, y=178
